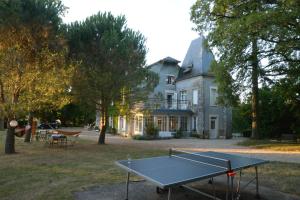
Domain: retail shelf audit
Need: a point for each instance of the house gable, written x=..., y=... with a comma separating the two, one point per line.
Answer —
x=197, y=60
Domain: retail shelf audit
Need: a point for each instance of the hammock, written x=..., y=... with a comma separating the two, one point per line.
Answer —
x=68, y=133
x=19, y=132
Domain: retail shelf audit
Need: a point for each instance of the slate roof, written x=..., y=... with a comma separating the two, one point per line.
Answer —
x=166, y=60
x=197, y=61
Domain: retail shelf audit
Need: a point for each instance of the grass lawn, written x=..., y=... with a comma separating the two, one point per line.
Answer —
x=271, y=145
x=39, y=172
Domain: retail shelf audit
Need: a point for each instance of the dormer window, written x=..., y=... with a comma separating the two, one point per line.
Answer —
x=170, y=80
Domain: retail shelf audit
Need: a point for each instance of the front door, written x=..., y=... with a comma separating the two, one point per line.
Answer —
x=213, y=127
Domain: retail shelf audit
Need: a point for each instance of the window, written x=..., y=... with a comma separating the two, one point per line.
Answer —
x=213, y=122
x=170, y=100
x=173, y=121
x=162, y=123
x=122, y=123
x=194, y=123
x=138, y=123
x=213, y=96
x=183, y=99
x=140, y=120
x=195, y=97
x=149, y=121
x=183, y=123
x=170, y=80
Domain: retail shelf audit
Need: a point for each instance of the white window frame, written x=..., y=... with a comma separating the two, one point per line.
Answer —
x=170, y=81
x=213, y=100
x=138, y=123
x=195, y=97
x=122, y=123
x=174, y=99
x=195, y=123
x=183, y=99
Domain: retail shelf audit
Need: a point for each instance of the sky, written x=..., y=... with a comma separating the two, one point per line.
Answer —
x=165, y=23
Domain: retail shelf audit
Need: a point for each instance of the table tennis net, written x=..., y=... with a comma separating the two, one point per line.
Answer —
x=204, y=159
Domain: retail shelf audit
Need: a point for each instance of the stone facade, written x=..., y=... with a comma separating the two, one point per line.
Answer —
x=184, y=99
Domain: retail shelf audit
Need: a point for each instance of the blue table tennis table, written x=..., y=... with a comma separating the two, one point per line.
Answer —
x=181, y=167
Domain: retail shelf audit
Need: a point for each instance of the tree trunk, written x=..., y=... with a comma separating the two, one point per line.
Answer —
x=104, y=123
x=28, y=131
x=254, y=99
x=1, y=124
x=10, y=139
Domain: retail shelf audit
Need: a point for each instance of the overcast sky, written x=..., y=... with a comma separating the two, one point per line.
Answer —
x=165, y=23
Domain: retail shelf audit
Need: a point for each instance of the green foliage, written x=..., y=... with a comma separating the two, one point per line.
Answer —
x=76, y=115
x=256, y=42
x=241, y=117
x=195, y=135
x=110, y=60
x=140, y=137
x=278, y=114
x=33, y=72
x=112, y=130
x=151, y=131
x=178, y=134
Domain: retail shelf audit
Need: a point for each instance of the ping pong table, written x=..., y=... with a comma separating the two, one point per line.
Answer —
x=181, y=167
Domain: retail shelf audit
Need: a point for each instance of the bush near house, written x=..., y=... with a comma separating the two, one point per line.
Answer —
x=152, y=131
x=178, y=134
x=195, y=134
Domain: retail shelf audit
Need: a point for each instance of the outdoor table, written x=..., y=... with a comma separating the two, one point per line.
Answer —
x=59, y=139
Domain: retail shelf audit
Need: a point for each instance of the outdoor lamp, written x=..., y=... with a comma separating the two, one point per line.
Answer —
x=13, y=123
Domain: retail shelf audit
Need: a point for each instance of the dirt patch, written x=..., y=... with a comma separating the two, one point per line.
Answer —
x=147, y=191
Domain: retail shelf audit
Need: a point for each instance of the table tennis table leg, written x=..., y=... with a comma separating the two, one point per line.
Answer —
x=256, y=178
x=127, y=185
x=238, y=189
x=227, y=189
x=232, y=188
x=169, y=193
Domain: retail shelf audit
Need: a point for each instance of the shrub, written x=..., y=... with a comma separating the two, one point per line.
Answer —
x=247, y=133
x=139, y=137
x=178, y=134
x=152, y=131
x=195, y=135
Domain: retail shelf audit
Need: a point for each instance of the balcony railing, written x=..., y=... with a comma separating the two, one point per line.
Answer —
x=168, y=104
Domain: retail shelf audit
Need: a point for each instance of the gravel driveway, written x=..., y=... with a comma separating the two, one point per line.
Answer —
x=194, y=144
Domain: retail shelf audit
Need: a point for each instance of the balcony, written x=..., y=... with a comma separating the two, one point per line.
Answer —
x=169, y=104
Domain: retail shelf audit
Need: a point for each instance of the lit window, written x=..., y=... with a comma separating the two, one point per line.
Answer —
x=162, y=123
x=173, y=121
x=138, y=123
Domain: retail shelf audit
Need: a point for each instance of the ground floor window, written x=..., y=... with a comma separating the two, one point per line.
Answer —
x=149, y=120
x=162, y=123
x=138, y=123
x=183, y=123
x=173, y=121
x=122, y=123
x=194, y=123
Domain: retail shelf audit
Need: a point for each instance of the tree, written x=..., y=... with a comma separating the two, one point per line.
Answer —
x=279, y=115
x=33, y=71
x=110, y=61
x=256, y=42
